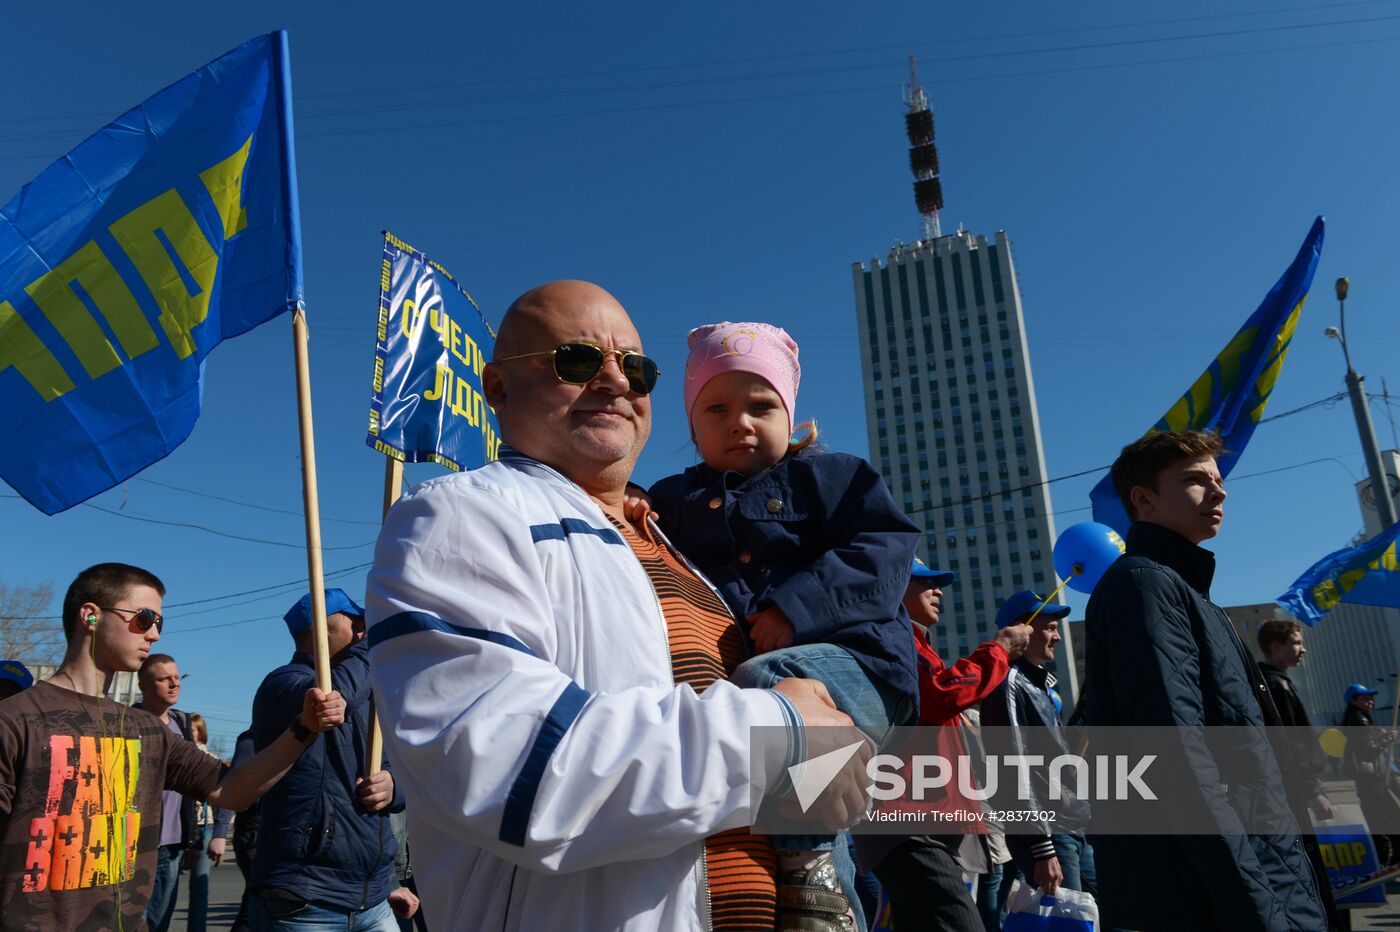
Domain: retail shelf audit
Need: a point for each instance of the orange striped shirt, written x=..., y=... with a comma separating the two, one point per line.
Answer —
x=706, y=646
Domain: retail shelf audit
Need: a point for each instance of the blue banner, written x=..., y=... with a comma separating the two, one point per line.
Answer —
x=1230, y=396
x=126, y=261
x=1348, y=855
x=1365, y=574
x=433, y=341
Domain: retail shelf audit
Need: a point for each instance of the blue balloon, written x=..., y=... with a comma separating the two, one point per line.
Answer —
x=1084, y=551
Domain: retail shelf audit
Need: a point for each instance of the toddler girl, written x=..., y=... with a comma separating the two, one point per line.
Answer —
x=809, y=547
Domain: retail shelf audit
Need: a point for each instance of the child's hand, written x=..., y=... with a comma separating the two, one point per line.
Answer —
x=636, y=504
x=770, y=630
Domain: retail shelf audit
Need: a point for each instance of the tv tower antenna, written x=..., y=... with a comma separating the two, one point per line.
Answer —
x=923, y=154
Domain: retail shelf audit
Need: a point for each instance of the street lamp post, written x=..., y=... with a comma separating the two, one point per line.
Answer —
x=1380, y=485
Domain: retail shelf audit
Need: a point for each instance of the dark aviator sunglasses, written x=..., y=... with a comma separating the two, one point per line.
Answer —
x=579, y=363
x=144, y=617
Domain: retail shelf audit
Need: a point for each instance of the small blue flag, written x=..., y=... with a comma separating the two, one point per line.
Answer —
x=128, y=260
x=1365, y=574
x=433, y=342
x=1230, y=396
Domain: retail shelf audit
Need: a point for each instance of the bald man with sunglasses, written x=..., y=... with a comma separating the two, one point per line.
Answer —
x=562, y=769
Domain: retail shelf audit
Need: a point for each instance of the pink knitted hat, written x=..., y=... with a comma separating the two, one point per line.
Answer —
x=766, y=351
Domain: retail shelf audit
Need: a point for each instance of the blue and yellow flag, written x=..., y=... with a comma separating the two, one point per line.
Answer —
x=1365, y=574
x=126, y=261
x=1230, y=396
x=432, y=344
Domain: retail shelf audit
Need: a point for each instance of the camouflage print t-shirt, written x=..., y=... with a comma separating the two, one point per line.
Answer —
x=80, y=792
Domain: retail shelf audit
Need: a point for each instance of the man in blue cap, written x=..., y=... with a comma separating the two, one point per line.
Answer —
x=922, y=874
x=325, y=848
x=14, y=678
x=1028, y=703
x=1365, y=761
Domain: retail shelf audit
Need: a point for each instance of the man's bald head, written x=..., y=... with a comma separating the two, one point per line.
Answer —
x=591, y=432
x=544, y=309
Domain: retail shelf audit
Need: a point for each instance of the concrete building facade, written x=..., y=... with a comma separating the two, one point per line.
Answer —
x=953, y=424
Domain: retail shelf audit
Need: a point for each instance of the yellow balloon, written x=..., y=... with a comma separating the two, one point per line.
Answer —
x=1333, y=741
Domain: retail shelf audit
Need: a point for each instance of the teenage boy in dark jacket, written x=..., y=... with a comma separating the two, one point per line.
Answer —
x=325, y=847
x=1160, y=653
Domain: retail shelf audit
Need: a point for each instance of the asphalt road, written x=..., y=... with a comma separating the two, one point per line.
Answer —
x=225, y=890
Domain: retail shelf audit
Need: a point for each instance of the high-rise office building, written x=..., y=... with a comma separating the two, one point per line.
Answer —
x=951, y=410
x=953, y=424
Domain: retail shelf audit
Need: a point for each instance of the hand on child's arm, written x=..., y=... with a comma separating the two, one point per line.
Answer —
x=770, y=630
x=636, y=504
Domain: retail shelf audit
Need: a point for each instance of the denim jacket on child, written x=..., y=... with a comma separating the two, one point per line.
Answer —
x=819, y=536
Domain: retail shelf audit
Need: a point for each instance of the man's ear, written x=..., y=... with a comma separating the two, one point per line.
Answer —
x=493, y=387
x=1142, y=498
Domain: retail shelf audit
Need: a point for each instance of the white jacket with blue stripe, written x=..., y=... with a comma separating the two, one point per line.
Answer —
x=556, y=777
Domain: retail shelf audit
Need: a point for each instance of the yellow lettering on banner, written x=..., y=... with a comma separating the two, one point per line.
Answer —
x=440, y=323
x=444, y=379
x=385, y=270
x=455, y=341
x=225, y=185
x=1326, y=596
x=410, y=318
x=378, y=373
x=466, y=402
x=1386, y=561
x=473, y=355
x=1329, y=855
x=19, y=347
x=54, y=294
x=180, y=311
x=1269, y=377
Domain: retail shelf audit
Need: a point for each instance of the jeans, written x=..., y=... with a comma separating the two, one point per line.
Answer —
x=867, y=889
x=874, y=707
x=1075, y=850
x=161, y=907
x=988, y=892
x=279, y=915
x=199, y=884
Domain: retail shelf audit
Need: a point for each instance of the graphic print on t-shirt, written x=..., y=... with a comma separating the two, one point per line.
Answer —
x=87, y=834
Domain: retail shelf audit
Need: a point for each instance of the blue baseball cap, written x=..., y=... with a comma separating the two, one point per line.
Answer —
x=298, y=618
x=1025, y=603
x=939, y=578
x=16, y=672
x=1356, y=689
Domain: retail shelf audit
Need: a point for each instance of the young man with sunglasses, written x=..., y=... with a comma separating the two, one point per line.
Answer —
x=550, y=675
x=81, y=776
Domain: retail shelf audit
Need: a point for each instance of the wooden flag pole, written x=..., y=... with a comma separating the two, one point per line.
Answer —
x=393, y=484
x=315, y=571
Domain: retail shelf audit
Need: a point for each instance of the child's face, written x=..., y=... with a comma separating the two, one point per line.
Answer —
x=740, y=423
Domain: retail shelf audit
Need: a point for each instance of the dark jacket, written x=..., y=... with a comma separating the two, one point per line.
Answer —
x=1020, y=717
x=246, y=828
x=1364, y=757
x=1160, y=653
x=1299, y=755
x=314, y=839
x=817, y=535
x=190, y=830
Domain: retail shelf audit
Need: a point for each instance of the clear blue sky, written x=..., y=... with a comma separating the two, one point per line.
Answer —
x=1156, y=169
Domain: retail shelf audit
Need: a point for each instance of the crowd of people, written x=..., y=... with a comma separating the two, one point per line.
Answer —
x=569, y=668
